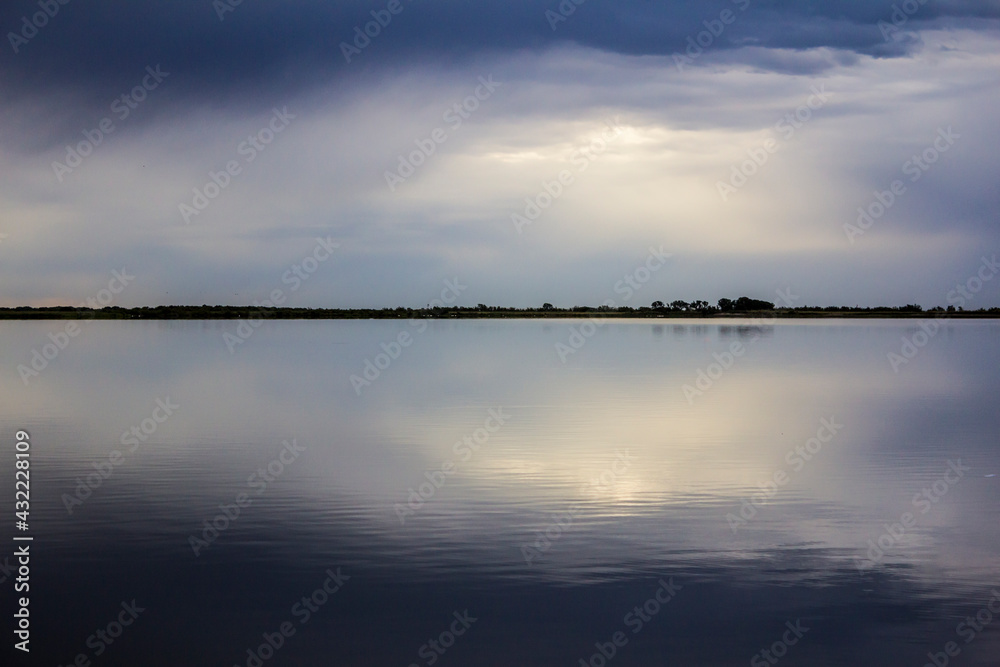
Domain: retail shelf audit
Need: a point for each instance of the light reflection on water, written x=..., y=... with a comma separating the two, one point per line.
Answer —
x=602, y=479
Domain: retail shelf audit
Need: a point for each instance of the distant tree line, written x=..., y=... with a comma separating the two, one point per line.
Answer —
x=697, y=308
x=744, y=304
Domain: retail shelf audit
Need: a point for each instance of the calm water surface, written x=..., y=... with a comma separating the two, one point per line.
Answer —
x=479, y=476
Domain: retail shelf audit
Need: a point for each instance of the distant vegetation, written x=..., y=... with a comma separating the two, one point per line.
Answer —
x=724, y=308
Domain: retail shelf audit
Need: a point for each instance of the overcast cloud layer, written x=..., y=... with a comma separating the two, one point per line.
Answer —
x=741, y=137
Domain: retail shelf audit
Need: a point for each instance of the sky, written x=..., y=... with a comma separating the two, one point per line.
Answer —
x=374, y=154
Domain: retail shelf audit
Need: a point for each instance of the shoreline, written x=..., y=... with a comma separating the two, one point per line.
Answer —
x=251, y=312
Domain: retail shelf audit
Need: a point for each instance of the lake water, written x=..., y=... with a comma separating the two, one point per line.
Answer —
x=484, y=501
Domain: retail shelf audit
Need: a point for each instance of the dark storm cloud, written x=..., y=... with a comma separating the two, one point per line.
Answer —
x=87, y=45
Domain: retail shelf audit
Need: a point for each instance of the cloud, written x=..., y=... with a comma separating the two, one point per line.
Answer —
x=683, y=131
x=92, y=47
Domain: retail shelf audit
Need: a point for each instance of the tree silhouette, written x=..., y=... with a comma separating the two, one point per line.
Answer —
x=745, y=303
